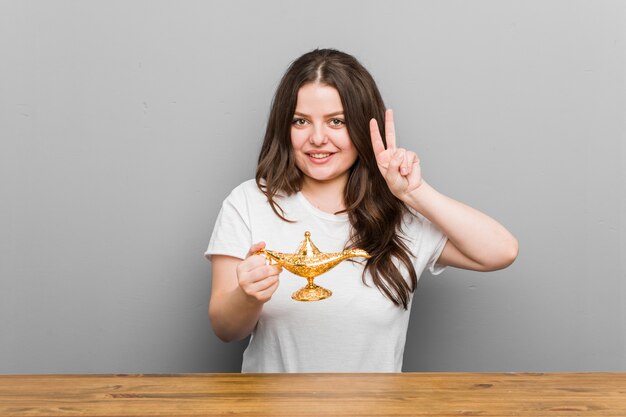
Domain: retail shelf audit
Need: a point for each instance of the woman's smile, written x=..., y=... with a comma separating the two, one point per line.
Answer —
x=320, y=157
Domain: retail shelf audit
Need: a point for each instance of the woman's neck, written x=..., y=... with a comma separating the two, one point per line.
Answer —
x=327, y=196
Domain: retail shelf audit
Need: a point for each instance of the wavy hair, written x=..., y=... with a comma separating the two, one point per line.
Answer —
x=375, y=214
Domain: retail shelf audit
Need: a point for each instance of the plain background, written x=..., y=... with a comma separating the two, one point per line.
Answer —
x=124, y=124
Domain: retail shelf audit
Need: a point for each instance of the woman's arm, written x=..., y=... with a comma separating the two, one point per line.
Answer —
x=238, y=291
x=475, y=240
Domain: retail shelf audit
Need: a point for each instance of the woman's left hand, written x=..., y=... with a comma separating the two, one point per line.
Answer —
x=399, y=167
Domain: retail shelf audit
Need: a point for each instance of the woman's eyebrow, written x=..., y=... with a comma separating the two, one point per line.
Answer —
x=336, y=113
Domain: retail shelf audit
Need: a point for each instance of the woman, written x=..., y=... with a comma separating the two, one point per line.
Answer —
x=325, y=167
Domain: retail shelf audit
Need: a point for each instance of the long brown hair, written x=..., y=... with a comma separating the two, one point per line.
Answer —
x=375, y=214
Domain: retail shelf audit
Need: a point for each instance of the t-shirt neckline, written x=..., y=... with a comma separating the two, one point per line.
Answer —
x=340, y=218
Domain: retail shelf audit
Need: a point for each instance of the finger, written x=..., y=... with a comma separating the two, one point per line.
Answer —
x=250, y=267
x=267, y=293
x=254, y=261
x=260, y=273
x=393, y=171
x=415, y=162
x=409, y=162
x=265, y=271
x=377, y=139
x=264, y=284
x=253, y=287
x=415, y=177
x=255, y=248
x=390, y=130
x=403, y=166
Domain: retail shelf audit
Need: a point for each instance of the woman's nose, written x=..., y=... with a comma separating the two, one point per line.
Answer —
x=318, y=136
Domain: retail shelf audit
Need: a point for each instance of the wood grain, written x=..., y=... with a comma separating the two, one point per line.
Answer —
x=406, y=394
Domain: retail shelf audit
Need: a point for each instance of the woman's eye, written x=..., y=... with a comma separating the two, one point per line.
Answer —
x=336, y=122
x=298, y=122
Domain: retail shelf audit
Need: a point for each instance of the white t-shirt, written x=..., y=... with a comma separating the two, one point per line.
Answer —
x=357, y=329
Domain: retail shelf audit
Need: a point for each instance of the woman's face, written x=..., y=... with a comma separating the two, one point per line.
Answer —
x=319, y=136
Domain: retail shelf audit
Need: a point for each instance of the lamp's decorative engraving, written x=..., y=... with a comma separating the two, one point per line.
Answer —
x=309, y=262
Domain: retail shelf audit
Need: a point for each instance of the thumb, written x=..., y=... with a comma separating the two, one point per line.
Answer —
x=255, y=248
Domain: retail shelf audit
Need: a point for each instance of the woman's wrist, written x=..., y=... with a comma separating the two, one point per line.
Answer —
x=418, y=198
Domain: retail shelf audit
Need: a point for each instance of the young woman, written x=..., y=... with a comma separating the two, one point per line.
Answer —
x=326, y=167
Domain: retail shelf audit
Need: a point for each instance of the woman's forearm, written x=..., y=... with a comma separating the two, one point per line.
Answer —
x=233, y=315
x=232, y=312
x=476, y=235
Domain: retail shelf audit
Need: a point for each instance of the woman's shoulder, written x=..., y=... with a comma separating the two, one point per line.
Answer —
x=249, y=185
x=253, y=189
x=247, y=189
x=250, y=193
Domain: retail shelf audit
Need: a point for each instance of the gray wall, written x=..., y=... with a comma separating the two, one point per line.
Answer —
x=124, y=124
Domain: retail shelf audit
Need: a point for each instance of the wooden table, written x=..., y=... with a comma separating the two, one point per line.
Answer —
x=406, y=394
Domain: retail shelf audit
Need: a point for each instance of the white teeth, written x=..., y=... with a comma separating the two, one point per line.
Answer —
x=319, y=155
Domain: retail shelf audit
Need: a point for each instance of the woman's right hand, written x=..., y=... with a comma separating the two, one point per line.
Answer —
x=256, y=278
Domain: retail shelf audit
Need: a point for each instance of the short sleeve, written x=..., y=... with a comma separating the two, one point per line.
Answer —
x=428, y=243
x=231, y=234
x=434, y=267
